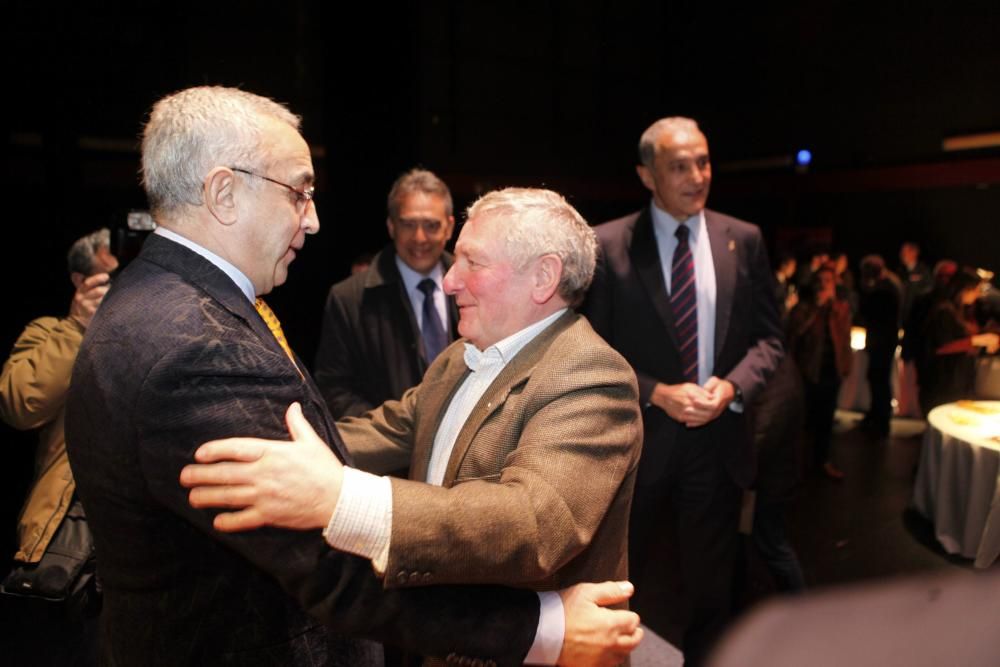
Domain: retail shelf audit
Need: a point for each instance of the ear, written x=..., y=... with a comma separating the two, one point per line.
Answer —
x=646, y=176
x=219, y=195
x=77, y=279
x=450, y=228
x=391, y=227
x=546, y=275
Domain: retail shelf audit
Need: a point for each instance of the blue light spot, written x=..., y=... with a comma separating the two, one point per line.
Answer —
x=803, y=158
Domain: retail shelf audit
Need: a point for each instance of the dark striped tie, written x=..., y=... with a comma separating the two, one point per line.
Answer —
x=684, y=303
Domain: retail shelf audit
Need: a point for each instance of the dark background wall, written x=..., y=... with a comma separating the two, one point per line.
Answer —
x=551, y=93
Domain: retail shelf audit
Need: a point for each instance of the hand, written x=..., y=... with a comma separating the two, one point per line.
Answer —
x=679, y=400
x=692, y=405
x=721, y=393
x=595, y=635
x=88, y=297
x=990, y=341
x=271, y=482
x=791, y=300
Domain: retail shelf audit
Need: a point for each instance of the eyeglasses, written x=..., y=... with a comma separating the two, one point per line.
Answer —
x=430, y=227
x=302, y=197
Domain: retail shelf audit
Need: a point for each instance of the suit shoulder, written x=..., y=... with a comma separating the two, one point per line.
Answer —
x=618, y=228
x=736, y=225
x=579, y=348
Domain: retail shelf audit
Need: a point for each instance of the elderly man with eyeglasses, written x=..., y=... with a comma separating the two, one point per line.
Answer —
x=384, y=326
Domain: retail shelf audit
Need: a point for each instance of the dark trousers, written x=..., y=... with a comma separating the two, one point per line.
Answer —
x=683, y=544
x=879, y=381
x=821, y=407
x=770, y=537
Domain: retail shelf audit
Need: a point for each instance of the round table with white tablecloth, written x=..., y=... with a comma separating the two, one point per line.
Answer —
x=956, y=485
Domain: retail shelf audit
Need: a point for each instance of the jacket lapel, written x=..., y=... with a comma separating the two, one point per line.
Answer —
x=514, y=374
x=646, y=260
x=435, y=397
x=724, y=257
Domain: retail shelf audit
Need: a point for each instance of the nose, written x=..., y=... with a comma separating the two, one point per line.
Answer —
x=310, y=219
x=419, y=234
x=452, y=282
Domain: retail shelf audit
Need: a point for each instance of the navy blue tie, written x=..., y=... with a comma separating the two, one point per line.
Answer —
x=684, y=304
x=433, y=333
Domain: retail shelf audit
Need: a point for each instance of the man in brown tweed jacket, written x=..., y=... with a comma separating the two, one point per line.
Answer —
x=522, y=439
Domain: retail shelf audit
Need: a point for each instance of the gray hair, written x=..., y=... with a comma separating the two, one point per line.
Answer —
x=649, y=138
x=540, y=222
x=80, y=258
x=194, y=130
x=417, y=180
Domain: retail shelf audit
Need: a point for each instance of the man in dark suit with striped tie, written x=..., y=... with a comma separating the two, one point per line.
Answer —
x=686, y=295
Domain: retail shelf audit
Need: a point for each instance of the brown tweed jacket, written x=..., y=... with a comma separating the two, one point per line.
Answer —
x=538, y=488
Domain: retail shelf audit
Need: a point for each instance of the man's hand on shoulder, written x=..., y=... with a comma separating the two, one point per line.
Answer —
x=594, y=634
x=269, y=482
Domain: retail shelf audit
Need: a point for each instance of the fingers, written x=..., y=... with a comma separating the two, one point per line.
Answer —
x=231, y=449
x=233, y=496
x=610, y=592
x=233, y=522
x=98, y=279
x=629, y=642
x=298, y=426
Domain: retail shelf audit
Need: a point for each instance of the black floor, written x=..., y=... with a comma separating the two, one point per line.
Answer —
x=860, y=528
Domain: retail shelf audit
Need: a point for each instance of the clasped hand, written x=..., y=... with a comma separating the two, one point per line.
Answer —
x=691, y=404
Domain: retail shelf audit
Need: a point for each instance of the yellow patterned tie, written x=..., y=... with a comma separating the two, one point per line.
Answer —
x=275, y=326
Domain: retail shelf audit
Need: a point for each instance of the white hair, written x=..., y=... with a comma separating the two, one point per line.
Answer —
x=540, y=222
x=192, y=131
x=649, y=138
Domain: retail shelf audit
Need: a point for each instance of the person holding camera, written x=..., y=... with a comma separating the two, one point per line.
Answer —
x=52, y=526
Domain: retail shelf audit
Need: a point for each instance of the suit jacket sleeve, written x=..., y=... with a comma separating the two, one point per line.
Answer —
x=339, y=361
x=196, y=393
x=766, y=349
x=534, y=485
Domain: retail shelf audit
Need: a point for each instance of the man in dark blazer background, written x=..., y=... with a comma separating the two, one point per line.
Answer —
x=180, y=353
x=373, y=345
x=700, y=351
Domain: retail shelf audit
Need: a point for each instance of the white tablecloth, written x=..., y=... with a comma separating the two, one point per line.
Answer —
x=956, y=484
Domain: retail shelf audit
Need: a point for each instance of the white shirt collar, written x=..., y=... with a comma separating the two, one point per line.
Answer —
x=506, y=349
x=412, y=278
x=234, y=274
x=668, y=224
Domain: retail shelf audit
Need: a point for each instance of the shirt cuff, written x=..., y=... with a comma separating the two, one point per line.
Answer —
x=362, y=521
x=551, y=631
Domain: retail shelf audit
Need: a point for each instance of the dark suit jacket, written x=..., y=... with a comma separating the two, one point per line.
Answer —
x=628, y=304
x=369, y=351
x=176, y=356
